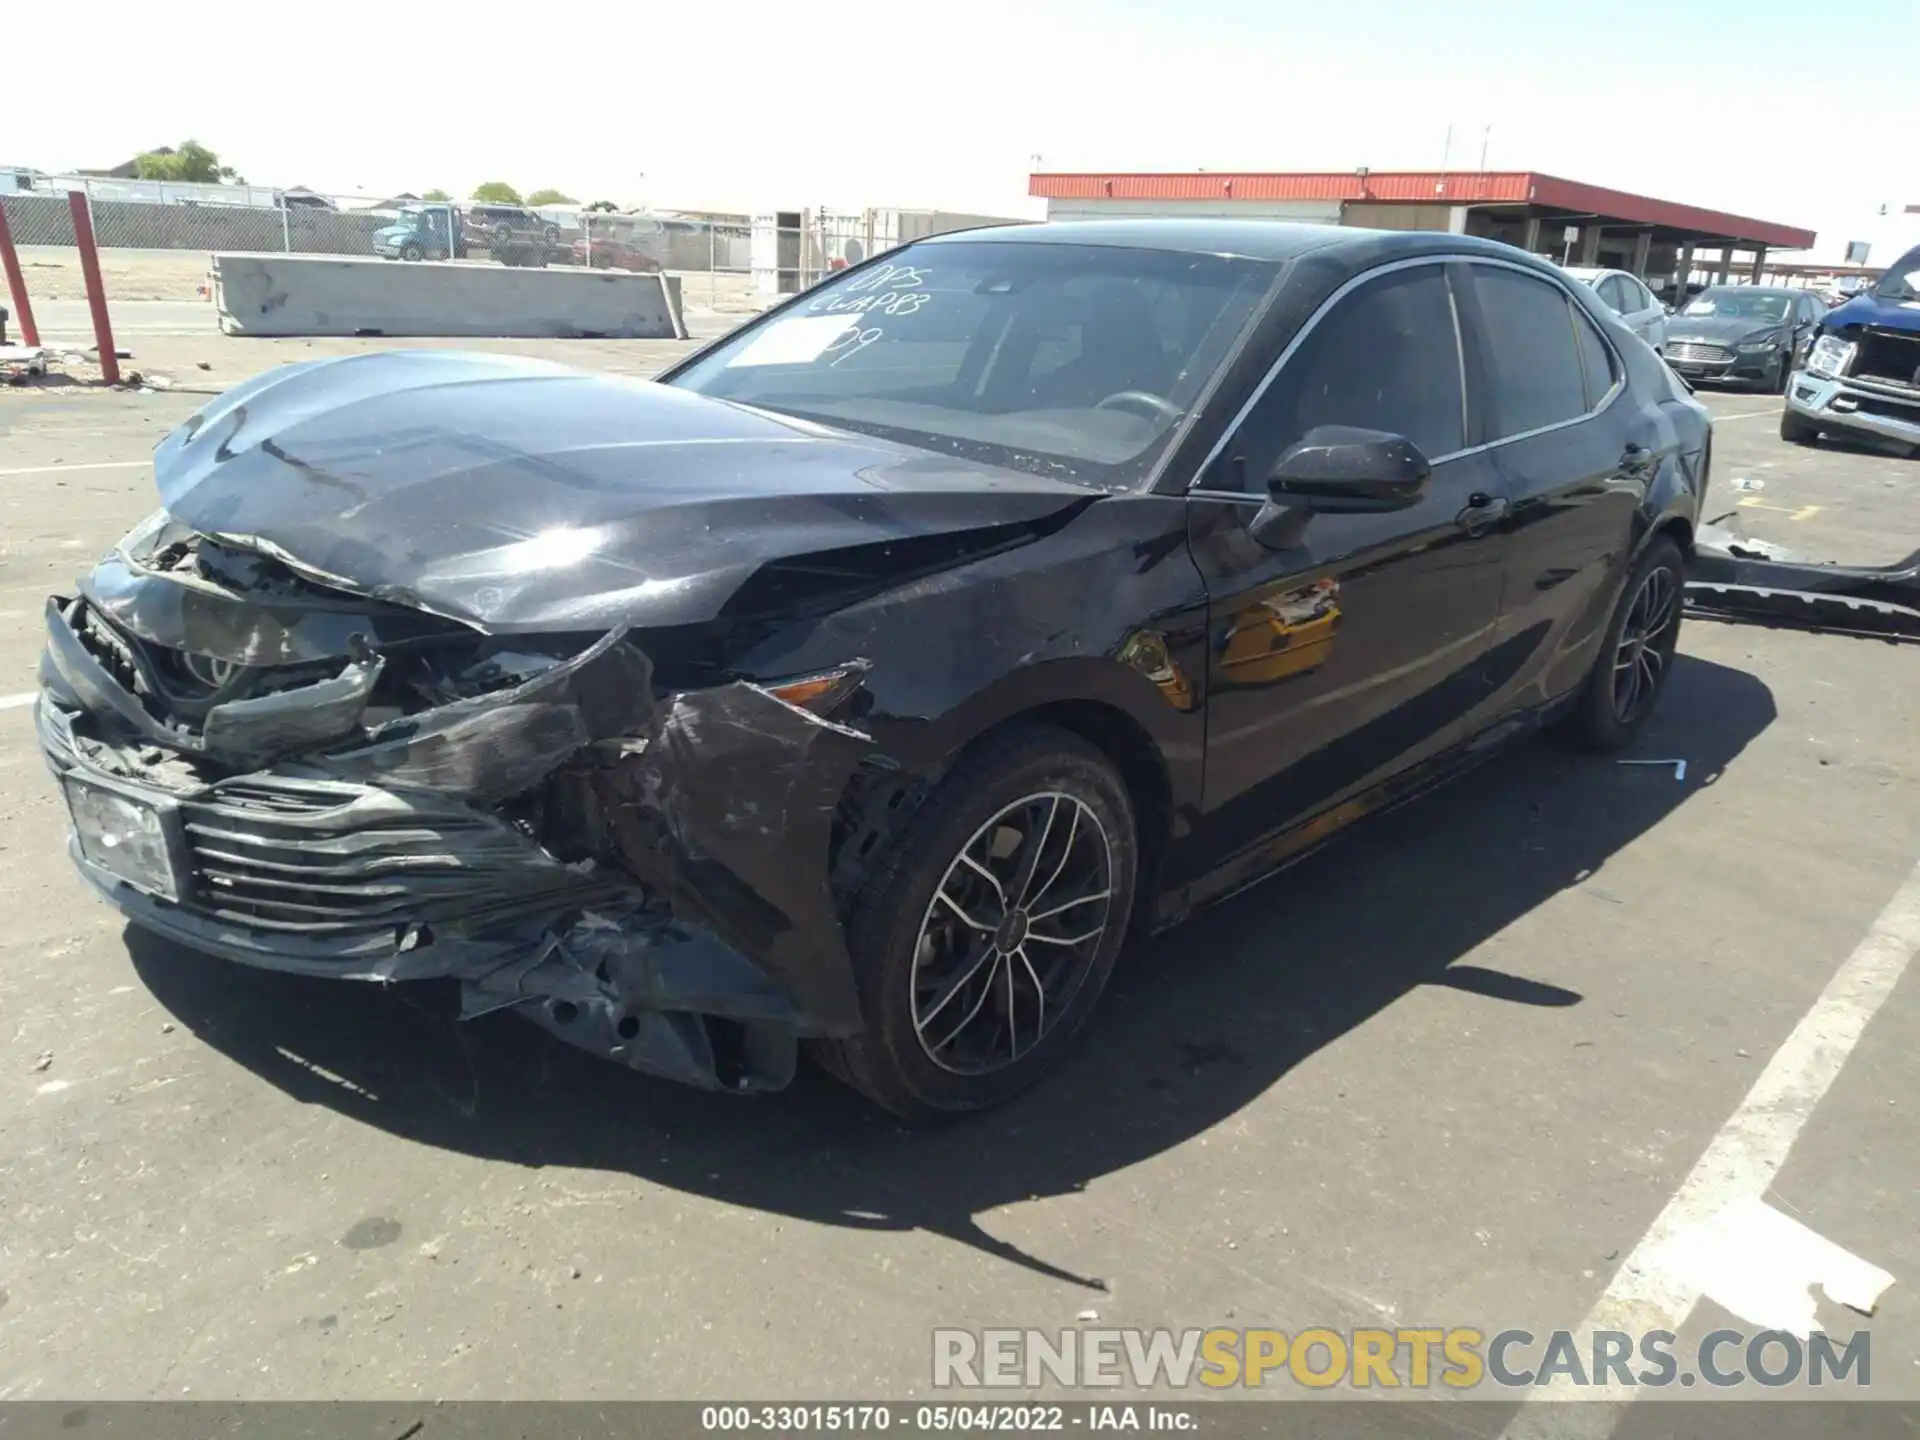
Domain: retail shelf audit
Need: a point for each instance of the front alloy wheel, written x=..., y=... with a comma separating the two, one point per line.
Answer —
x=1011, y=934
x=988, y=924
x=1636, y=655
x=1646, y=645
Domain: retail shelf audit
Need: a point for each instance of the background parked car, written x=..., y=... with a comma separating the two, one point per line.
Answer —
x=506, y=225
x=1630, y=299
x=1744, y=334
x=620, y=242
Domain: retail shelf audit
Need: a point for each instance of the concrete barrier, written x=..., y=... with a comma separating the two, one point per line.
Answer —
x=264, y=294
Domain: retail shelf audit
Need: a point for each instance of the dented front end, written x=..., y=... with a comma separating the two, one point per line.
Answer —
x=295, y=776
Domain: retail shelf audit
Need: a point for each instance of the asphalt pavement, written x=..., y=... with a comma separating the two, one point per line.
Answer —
x=1455, y=1070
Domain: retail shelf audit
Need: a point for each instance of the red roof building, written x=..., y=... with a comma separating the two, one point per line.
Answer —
x=1565, y=219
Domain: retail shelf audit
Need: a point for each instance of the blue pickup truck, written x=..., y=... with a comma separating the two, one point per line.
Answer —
x=1862, y=373
x=423, y=232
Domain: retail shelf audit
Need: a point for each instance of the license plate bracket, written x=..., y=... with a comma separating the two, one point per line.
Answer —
x=136, y=837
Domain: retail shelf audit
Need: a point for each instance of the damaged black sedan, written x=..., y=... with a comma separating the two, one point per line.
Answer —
x=861, y=685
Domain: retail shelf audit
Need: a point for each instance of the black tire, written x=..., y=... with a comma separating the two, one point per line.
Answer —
x=550, y=235
x=413, y=252
x=1797, y=431
x=902, y=899
x=1778, y=385
x=1600, y=721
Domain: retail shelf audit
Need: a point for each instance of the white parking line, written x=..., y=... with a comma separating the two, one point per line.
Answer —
x=1651, y=1290
x=14, y=702
x=1747, y=415
x=91, y=465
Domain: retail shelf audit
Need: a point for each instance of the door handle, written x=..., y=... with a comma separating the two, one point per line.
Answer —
x=1482, y=510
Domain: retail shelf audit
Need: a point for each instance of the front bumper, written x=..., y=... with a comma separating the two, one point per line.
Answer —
x=1845, y=404
x=697, y=945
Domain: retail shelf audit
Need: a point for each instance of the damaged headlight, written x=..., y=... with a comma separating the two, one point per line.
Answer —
x=822, y=693
x=149, y=535
x=159, y=540
x=1760, y=346
x=1830, y=357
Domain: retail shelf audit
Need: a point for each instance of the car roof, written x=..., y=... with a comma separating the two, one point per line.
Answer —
x=1590, y=272
x=1758, y=289
x=1269, y=240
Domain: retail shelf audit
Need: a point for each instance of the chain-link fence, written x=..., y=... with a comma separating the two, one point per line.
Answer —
x=727, y=263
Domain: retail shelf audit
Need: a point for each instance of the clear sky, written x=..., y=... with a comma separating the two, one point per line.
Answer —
x=1794, y=112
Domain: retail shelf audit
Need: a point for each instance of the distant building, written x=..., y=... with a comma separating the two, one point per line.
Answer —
x=126, y=169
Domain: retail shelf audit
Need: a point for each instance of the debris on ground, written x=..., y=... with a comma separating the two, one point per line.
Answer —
x=1741, y=482
x=1679, y=766
x=42, y=1061
x=19, y=363
x=45, y=364
x=1732, y=577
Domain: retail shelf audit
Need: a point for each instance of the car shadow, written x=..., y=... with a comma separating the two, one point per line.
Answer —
x=1197, y=1023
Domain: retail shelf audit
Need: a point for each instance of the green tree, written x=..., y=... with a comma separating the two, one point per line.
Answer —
x=496, y=192
x=438, y=197
x=551, y=197
x=604, y=207
x=191, y=162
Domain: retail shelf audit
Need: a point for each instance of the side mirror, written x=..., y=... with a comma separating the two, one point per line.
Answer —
x=1343, y=470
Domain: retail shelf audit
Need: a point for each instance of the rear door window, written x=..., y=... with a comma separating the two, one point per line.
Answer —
x=1534, y=345
x=1598, y=368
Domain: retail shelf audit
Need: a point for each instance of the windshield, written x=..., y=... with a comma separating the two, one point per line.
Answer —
x=1078, y=361
x=1902, y=282
x=1734, y=302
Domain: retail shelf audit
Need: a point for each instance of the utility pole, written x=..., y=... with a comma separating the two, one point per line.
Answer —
x=1486, y=135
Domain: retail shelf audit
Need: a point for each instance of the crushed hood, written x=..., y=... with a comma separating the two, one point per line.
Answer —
x=1870, y=309
x=517, y=495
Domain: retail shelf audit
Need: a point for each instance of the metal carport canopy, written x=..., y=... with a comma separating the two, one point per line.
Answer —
x=1529, y=192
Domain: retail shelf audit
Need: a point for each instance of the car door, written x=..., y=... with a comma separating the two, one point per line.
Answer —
x=1349, y=646
x=1611, y=294
x=1806, y=321
x=1645, y=316
x=1573, y=455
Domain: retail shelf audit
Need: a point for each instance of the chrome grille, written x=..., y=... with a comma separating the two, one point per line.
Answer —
x=330, y=857
x=1697, y=352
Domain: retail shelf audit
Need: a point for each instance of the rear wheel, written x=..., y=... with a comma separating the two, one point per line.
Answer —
x=1631, y=669
x=413, y=252
x=1796, y=430
x=982, y=940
